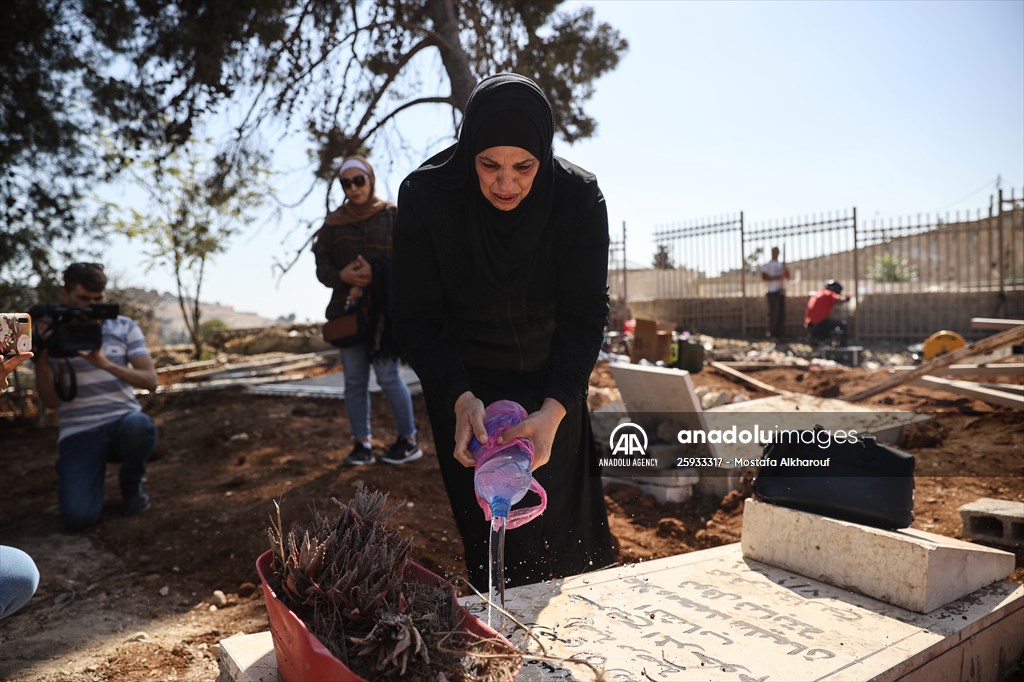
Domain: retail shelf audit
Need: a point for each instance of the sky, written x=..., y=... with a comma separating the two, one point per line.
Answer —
x=777, y=109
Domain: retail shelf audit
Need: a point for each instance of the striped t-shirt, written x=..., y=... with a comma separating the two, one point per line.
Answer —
x=101, y=396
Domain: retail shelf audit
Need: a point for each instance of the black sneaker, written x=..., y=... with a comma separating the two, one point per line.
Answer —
x=136, y=504
x=360, y=456
x=401, y=452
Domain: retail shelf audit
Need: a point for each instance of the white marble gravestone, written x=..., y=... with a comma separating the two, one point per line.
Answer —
x=713, y=615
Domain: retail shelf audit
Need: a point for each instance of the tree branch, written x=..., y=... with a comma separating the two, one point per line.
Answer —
x=285, y=267
x=422, y=100
x=405, y=59
x=264, y=81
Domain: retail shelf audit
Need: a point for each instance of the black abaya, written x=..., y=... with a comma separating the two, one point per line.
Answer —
x=572, y=535
x=509, y=305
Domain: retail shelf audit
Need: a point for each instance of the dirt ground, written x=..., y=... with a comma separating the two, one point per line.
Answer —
x=140, y=598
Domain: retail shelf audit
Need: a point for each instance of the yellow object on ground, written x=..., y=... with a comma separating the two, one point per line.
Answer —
x=942, y=342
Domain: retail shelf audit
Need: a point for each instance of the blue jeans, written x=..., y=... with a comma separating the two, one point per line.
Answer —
x=19, y=579
x=357, y=393
x=82, y=465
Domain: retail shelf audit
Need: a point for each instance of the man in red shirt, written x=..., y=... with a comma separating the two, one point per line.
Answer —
x=818, y=320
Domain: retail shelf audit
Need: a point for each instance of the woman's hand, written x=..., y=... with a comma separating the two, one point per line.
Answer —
x=358, y=273
x=469, y=422
x=540, y=427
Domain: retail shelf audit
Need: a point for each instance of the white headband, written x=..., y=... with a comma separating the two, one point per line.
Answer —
x=354, y=163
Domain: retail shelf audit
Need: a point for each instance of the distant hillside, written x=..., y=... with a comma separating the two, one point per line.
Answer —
x=168, y=324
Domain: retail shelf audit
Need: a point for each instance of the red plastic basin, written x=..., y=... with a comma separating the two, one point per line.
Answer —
x=300, y=655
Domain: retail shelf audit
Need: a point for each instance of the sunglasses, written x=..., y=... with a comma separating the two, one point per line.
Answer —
x=358, y=181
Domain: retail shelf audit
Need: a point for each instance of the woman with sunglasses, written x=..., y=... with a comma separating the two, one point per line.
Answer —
x=353, y=258
x=501, y=263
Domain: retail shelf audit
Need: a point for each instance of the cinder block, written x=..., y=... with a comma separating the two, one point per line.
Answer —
x=910, y=568
x=999, y=522
x=664, y=485
x=664, y=488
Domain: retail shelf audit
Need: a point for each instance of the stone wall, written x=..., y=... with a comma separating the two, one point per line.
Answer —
x=905, y=317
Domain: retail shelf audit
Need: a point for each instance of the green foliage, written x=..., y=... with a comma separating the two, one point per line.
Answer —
x=194, y=207
x=753, y=259
x=662, y=259
x=46, y=163
x=890, y=267
x=210, y=327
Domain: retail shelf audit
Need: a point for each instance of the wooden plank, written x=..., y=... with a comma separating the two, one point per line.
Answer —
x=197, y=364
x=1007, y=369
x=986, y=345
x=216, y=384
x=972, y=390
x=793, y=363
x=999, y=355
x=266, y=362
x=1006, y=388
x=994, y=323
x=736, y=374
x=298, y=391
x=266, y=371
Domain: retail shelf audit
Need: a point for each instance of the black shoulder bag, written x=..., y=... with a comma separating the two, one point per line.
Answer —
x=349, y=329
x=863, y=482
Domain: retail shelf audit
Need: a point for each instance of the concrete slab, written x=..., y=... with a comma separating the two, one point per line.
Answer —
x=647, y=389
x=910, y=568
x=330, y=386
x=999, y=522
x=800, y=411
x=714, y=615
x=248, y=658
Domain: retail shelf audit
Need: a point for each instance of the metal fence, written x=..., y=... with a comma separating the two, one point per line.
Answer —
x=909, y=275
x=815, y=249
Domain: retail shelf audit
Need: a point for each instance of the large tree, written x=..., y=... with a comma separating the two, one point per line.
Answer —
x=343, y=71
x=147, y=74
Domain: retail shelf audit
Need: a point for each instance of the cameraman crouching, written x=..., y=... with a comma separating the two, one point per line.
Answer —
x=102, y=421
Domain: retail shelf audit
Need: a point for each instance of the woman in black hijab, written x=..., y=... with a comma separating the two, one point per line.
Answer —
x=501, y=263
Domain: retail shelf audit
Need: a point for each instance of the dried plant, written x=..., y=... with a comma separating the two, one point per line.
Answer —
x=346, y=578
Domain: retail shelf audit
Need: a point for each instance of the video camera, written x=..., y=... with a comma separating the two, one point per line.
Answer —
x=74, y=328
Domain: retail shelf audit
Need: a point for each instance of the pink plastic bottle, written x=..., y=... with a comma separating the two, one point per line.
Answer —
x=503, y=472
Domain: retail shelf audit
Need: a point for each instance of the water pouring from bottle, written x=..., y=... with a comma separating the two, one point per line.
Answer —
x=502, y=478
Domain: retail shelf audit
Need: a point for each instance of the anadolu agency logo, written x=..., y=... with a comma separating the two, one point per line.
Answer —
x=628, y=443
x=628, y=440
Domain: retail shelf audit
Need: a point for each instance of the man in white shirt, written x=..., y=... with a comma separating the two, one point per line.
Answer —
x=774, y=274
x=102, y=421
